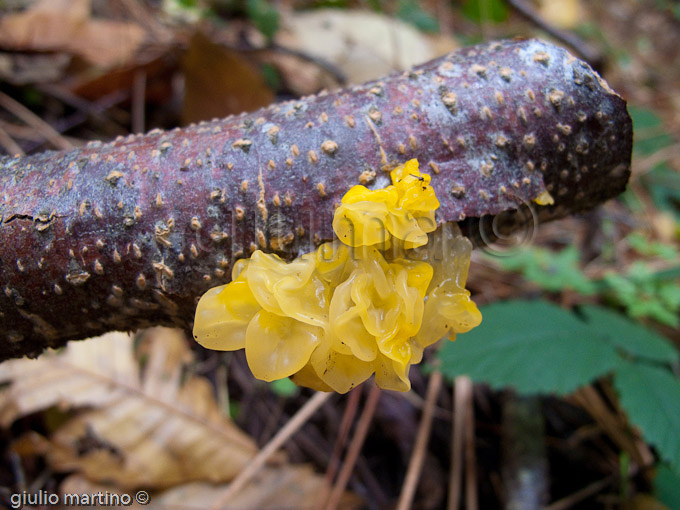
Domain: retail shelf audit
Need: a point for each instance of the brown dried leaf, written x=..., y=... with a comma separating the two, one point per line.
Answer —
x=219, y=82
x=22, y=69
x=78, y=484
x=70, y=379
x=274, y=488
x=65, y=25
x=287, y=486
x=140, y=430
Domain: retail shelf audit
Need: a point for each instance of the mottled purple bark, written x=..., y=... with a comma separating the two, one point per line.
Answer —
x=129, y=234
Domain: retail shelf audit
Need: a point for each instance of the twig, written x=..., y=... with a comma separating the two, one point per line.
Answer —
x=581, y=494
x=270, y=448
x=471, y=499
x=419, y=402
x=35, y=122
x=343, y=433
x=584, y=50
x=420, y=448
x=613, y=426
x=160, y=218
x=324, y=64
x=354, y=448
x=9, y=144
x=462, y=393
x=142, y=15
x=21, y=131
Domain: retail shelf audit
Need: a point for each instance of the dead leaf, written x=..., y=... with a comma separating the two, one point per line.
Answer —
x=22, y=69
x=219, y=82
x=139, y=430
x=362, y=44
x=157, y=69
x=66, y=25
x=274, y=488
x=78, y=484
x=285, y=487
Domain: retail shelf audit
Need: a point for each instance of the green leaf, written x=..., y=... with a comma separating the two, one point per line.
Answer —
x=652, y=137
x=411, y=12
x=552, y=271
x=533, y=346
x=650, y=396
x=284, y=387
x=334, y=4
x=628, y=336
x=644, y=246
x=664, y=185
x=645, y=293
x=662, y=181
x=271, y=76
x=485, y=10
x=667, y=486
x=264, y=16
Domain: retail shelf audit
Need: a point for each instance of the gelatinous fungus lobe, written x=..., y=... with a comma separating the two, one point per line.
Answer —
x=368, y=303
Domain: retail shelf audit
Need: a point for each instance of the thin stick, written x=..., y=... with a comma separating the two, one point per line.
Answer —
x=415, y=465
x=584, y=50
x=9, y=144
x=343, y=433
x=30, y=118
x=581, y=494
x=462, y=387
x=612, y=425
x=355, y=447
x=470, y=454
x=290, y=428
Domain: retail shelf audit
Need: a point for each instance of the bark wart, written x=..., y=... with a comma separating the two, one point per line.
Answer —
x=129, y=234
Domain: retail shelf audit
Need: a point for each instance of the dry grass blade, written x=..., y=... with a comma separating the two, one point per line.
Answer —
x=48, y=132
x=462, y=392
x=613, y=425
x=254, y=466
x=8, y=143
x=471, y=497
x=418, y=457
x=354, y=448
x=343, y=433
x=285, y=487
x=139, y=430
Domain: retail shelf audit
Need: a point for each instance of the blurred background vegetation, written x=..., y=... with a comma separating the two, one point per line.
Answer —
x=576, y=361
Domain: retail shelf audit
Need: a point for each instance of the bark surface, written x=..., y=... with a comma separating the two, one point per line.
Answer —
x=129, y=234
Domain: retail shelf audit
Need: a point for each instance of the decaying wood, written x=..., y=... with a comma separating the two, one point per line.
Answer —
x=129, y=234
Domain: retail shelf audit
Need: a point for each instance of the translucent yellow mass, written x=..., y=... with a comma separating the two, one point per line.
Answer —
x=366, y=304
x=404, y=211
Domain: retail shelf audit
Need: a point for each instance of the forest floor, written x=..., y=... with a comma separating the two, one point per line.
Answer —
x=72, y=71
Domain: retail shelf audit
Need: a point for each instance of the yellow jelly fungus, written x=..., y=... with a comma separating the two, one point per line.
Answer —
x=404, y=211
x=368, y=304
x=544, y=198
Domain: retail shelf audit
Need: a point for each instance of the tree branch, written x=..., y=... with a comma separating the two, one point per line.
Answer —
x=129, y=234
